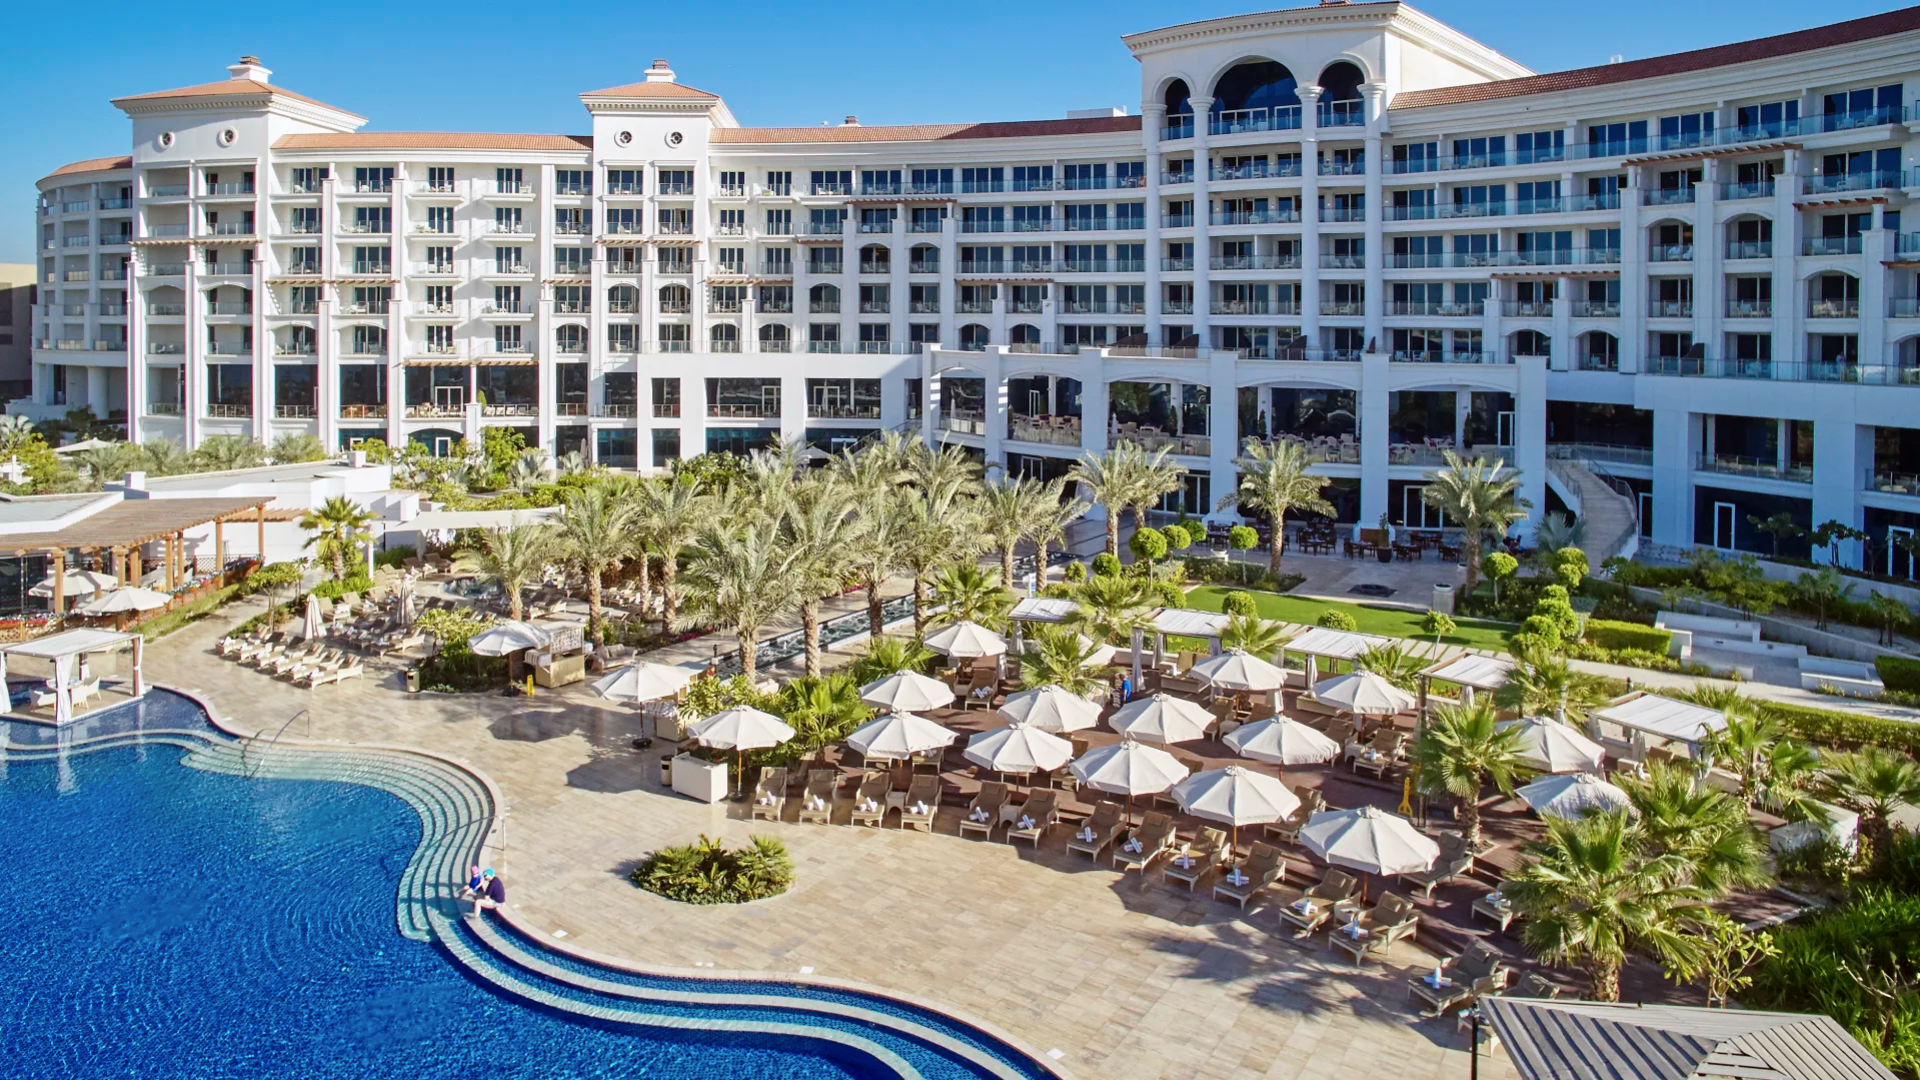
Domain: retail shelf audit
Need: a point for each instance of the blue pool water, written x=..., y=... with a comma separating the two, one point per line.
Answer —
x=173, y=923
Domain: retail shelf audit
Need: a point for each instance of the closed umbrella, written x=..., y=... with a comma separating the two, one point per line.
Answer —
x=1573, y=795
x=966, y=640
x=1162, y=719
x=1282, y=740
x=1550, y=746
x=130, y=598
x=506, y=637
x=1019, y=749
x=907, y=691
x=1051, y=708
x=1235, y=796
x=644, y=681
x=1237, y=669
x=740, y=729
x=1370, y=840
x=898, y=736
x=313, y=625
x=1129, y=768
x=406, y=603
x=1362, y=693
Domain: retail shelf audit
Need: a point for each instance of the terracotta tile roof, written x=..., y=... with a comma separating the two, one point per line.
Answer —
x=661, y=91
x=227, y=88
x=431, y=140
x=854, y=133
x=99, y=164
x=1653, y=67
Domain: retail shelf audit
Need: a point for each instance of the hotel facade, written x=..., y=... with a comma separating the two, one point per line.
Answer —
x=1681, y=279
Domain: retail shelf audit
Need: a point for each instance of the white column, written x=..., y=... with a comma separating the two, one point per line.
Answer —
x=1530, y=436
x=1375, y=375
x=994, y=360
x=1310, y=235
x=1709, y=251
x=1676, y=438
x=1842, y=453
x=1223, y=424
x=1633, y=277
x=1375, y=95
x=1202, y=220
x=1153, y=118
x=1789, y=298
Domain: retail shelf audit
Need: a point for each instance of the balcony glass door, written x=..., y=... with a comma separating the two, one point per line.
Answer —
x=1723, y=519
x=1899, y=562
x=450, y=397
x=1416, y=512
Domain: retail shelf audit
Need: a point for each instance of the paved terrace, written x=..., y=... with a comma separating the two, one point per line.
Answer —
x=1127, y=978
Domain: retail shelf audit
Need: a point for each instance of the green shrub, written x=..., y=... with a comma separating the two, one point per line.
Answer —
x=1335, y=619
x=1148, y=545
x=1615, y=636
x=1899, y=673
x=1106, y=565
x=1570, y=566
x=1057, y=590
x=1170, y=594
x=1438, y=623
x=708, y=872
x=334, y=590
x=1180, y=535
x=279, y=575
x=1243, y=538
x=1076, y=571
x=394, y=556
x=1830, y=727
x=1238, y=603
x=1825, y=959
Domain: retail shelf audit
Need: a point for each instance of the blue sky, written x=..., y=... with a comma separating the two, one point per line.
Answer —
x=434, y=67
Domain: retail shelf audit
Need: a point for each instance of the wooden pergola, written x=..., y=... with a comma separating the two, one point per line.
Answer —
x=121, y=530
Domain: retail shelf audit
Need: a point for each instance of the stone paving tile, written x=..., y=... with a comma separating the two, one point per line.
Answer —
x=1129, y=978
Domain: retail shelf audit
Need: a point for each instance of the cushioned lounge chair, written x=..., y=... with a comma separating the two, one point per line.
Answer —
x=1463, y=973
x=1316, y=905
x=817, y=803
x=870, y=799
x=1151, y=840
x=1263, y=867
x=1030, y=821
x=1099, y=830
x=1386, y=922
x=1201, y=859
x=769, y=795
x=983, y=814
x=923, y=803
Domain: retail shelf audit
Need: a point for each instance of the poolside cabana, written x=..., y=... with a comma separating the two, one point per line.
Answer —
x=1040, y=611
x=72, y=685
x=1641, y=716
x=1322, y=643
x=1178, y=622
x=115, y=539
x=1468, y=671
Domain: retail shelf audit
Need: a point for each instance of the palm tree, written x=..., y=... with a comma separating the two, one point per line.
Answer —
x=221, y=453
x=1590, y=893
x=1113, y=480
x=1480, y=497
x=1059, y=656
x=294, y=449
x=165, y=456
x=1874, y=783
x=823, y=709
x=1007, y=511
x=1462, y=749
x=891, y=655
x=1546, y=684
x=889, y=518
x=675, y=510
x=1111, y=608
x=968, y=592
x=513, y=557
x=1052, y=517
x=110, y=462
x=742, y=579
x=1772, y=768
x=1158, y=475
x=937, y=528
x=1392, y=663
x=338, y=527
x=528, y=470
x=1273, y=481
x=1252, y=634
x=1556, y=532
x=1707, y=828
x=949, y=466
x=594, y=538
x=822, y=535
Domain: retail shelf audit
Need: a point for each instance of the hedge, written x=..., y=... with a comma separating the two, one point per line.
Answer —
x=1842, y=729
x=1609, y=634
x=1899, y=673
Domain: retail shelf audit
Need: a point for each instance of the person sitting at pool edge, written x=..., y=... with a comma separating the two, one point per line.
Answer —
x=491, y=894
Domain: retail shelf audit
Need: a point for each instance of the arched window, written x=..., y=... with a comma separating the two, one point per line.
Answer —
x=1256, y=84
x=1531, y=343
x=675, y=300
x=824, y=299
x=775, y=337
x=723, y=337
x=1178, y=98
x=924, y=259
x=1833, y=296
x=623, y=300
x=1599, y=351
x=1023, y=337
x=570, y=338
x=975, y=337
x=876, y=259
x=1341, y=81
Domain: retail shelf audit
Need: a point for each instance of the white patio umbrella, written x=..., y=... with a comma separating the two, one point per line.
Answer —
x=1553, y=747
x=1162, y=718
x=1370, y=840
x=740, y=729
x=75, y=583
x=898, y=736
x=1362, y=693
x=1129, y=768
x=1282, y=740
x=1051, y=708
x=1235, y=796
x=1573, y=794
x=907, y=691
x=965, y=640
x=313, y=625
x=130, y=598
x=1237, y=669
x=1019, y=749
x=507, y=636
x=644, y=681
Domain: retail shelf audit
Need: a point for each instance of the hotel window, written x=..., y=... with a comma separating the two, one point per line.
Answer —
x=508, y=339
x=572, y=299
x=1535, y=146
x=623, y=338
x=308, y=180
x=510, y=181
x=624, y=260
x=923, y=299
x=774, y=299
x=732, y=260
x=440, y=339
x=572, y=182
x=1476, y=249
x=1033, y=178
x=1480, y=199
x=825, y=260
x=369, y=341
x=1130, y=174
x=506, y=298
x=1129, y=216
x=571, y=338
x=779, y=260
x=372, y=219
x=507, y=219
x=732, y=223
x=1481, y=151
x=1861, y=108
x=440, y=219
x=779, y=222
x=1537, y=197
x=1127, y=299
x=1771, y=120
x=674, y=221
x=832, y=182
x=440, y=299
x=779, y=183
x=624, y=220
x=983, y=178
x=506, y=260
x=1685, y=130
x=373, y=179
x=1086, y=217
x=674, y=182
x=1129, y=258
x=676, y=260
x=573, y=221
x=440, y=260
x=733, y=183
x=931, y=181
x=1612, y=140
x=726, y=299
x=625, y=182
x=1091, y=177
x=1413, y=204
x=880, y=181
x=371, y=260
x=306, y=219
x=440, y=178
x=1416, y=157
x=922, y=334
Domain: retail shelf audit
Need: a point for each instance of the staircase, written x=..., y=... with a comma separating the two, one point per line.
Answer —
x=1612, y=518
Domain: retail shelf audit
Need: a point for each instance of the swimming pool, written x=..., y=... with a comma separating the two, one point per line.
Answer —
x=182, y=922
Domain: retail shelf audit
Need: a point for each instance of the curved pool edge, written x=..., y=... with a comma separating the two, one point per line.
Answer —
x=521, y=925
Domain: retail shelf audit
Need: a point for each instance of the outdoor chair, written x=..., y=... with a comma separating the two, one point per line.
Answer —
x=1263, y=867
x=769, y=795
x=1198, y=860
x=923, y=803
x=1099, y=830
x=1389, y=920
x=1030, y=822
x=1319, y=902
x=870, y=799
x=817, y=803
x=1460, y=974
x=1288, y=829
x=983, y=814
x=1151, y=840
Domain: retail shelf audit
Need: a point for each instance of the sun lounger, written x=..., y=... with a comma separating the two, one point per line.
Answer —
x=1151, y=840
x=1390, y=920
x=254, y=647
x=1189, y=866
x=870, y=800
x=817, y=803
x=1099, y=830
x=1317, y=904
x=325, y=658
x=770, y=794
x=1379, y=755
x=233, y=643
x=1444, y=870
x=1460, y=974
x=983, y=814
x=1262, y=868
x=1288, y=829
x=342, y=673
x=922, y=805
x=1030, y=821
x=293, y=658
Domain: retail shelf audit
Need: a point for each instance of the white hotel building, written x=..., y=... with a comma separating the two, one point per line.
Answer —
x=1347, y=223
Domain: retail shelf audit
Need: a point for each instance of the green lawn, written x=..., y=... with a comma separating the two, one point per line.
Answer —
x=1388, y=621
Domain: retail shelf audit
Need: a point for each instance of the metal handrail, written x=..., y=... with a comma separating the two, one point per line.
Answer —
x=248, y=771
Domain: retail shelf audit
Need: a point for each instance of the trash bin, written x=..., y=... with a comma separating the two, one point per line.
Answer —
x=413, y=680
x=1443, y=599
x=666, y=770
